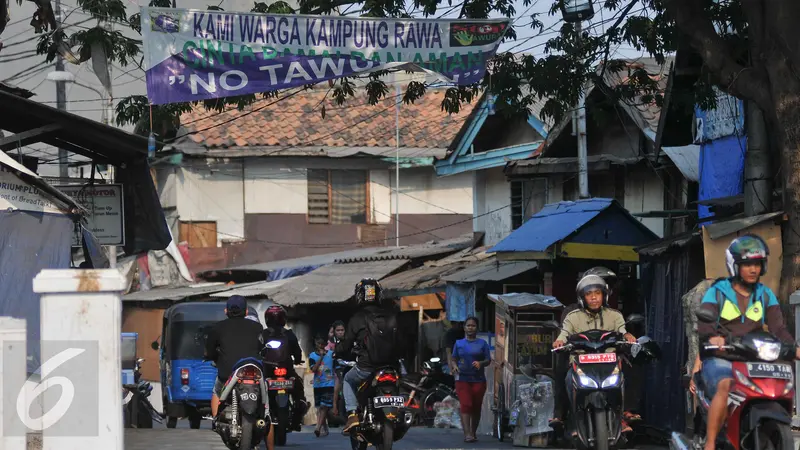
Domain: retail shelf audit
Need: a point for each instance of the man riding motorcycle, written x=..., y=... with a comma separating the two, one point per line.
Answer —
x=275, y=318
x=369, y=295
x=742, y=304
x=592, y=313
x=230, y=341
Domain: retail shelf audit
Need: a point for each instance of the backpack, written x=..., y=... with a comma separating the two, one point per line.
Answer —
x=380, y=339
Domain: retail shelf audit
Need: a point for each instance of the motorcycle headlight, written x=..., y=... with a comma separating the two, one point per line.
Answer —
x=768, y=351
x=613, y=379
x=585, y=380
x=788, y=388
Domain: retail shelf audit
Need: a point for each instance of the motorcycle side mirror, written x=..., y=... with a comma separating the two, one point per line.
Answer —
x=635, y=318
x=140, y=360
x=552, y=324
x=154, y=345
x=704, y=315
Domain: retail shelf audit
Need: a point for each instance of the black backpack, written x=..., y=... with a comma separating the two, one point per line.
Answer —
x=380, y=340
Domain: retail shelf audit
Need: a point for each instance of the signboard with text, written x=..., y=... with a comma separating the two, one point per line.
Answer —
x=106, y=218
x=192, y=55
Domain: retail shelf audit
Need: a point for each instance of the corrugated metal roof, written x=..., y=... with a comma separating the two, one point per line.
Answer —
x=661, y=246
x=333, y=283
x=265, y=288
x=490, y=270
x=719, y=229
x=413, y=251
x=553, y=223
x=424, y=277
x=178, y=293
x=523, y=299
x=362, y=254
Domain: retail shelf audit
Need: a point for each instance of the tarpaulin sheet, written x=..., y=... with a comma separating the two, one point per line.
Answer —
x=460, y=301
x=721, y=170
x=30, y=242
x=280, y=274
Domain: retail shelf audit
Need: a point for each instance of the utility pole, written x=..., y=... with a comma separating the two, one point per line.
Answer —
x=61, y=99
x=757, y=167
x=397, y=163
x=583, y=165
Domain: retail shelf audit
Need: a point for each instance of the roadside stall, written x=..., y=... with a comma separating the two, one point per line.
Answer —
x=523, y=365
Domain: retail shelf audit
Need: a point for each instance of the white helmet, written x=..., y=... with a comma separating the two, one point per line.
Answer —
x=588, y=283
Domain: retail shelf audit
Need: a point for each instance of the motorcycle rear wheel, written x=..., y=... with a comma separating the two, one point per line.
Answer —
x=280, y=429
x=355, y=444
x=248, y=426
x=600, y=430
x=775, y=436
x=387, y=436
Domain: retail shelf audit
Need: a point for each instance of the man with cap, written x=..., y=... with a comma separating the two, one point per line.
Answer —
x=230, y=341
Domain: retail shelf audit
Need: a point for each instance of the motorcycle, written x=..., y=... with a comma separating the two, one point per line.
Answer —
x=140, y=410
x=383, y=419
x=596, y=405
x=243, y=418
x=278, y=391
x=427, y=388
x=760, y=400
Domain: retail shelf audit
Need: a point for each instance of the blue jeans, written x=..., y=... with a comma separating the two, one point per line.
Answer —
x=352, y=380
x=713, y=371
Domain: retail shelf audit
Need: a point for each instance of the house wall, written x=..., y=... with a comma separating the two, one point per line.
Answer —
x=268, y=208
x=644, y=191
x=491, y=193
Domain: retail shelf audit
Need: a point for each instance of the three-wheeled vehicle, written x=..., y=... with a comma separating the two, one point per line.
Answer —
x=187, y=382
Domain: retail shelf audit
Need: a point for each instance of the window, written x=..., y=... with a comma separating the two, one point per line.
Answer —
x=337, y=196
x=527, y=198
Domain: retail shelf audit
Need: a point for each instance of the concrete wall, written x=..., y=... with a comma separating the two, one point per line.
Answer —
x=492, y=198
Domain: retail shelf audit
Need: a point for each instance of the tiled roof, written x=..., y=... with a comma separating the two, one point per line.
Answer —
x=297, y=122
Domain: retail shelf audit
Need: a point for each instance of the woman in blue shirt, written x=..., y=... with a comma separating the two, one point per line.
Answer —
x=470, y=356
x=321, y=362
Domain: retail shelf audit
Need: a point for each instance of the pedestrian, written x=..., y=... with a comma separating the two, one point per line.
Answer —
x=337, y=335
x=470, y=356
x=321, y=362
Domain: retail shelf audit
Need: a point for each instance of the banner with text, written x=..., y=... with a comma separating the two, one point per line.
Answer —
x=196, y=54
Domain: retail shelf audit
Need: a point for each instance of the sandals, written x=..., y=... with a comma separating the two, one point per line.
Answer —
x=470, y=440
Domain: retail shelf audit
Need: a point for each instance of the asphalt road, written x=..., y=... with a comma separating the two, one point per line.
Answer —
x=205, y=439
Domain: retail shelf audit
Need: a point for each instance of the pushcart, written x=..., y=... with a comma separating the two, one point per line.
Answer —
x=522, y=347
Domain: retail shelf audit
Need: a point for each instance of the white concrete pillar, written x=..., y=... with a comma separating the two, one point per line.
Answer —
x=81, y=328
x=13, y=348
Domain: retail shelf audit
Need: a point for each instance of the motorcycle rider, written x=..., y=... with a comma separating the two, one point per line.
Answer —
x=275, y=318
x=379, y=350
x=230, y=341
x=562, y=359
x=593, y=313
x=742, y=304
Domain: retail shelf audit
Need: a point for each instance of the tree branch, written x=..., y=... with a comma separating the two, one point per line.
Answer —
x=332, y=6
x=745, y=82
x=608, y=38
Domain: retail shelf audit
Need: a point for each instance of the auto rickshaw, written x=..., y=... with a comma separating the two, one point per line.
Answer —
x=187, y=382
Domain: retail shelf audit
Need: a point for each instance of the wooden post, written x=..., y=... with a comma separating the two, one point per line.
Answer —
x=420, y=318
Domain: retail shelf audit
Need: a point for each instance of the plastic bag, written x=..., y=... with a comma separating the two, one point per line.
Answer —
x=447, y=413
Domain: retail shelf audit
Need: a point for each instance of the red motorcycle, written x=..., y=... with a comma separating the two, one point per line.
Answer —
x=760, y=400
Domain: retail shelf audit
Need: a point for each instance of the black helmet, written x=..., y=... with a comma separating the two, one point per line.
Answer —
x=368, y=290
x=589, y=283
x=275, y=316
x=746, y=248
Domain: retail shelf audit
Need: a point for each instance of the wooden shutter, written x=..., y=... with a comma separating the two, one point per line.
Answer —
x=318, y=196
x=199, y=234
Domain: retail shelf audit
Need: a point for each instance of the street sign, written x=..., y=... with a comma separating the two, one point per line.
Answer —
x=106, y=218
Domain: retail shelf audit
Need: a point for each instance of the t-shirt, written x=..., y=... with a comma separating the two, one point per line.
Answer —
x=324, y=377
x=466, y=352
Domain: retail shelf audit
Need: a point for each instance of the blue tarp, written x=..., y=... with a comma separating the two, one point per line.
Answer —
x=553, y=223
x=290, y=272
x=460, y=301
x=721, y=170
x=30, y=242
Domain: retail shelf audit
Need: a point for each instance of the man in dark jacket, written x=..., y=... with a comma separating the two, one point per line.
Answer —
x=275, y=318
x=230, y=341
x=368, y=293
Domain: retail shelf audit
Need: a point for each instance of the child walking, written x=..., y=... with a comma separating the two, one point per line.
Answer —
x=321, y=362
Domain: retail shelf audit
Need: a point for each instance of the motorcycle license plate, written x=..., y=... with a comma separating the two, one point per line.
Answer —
x=766, y=370
x=277, y=385
x=389, y=402
x=597, y=358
